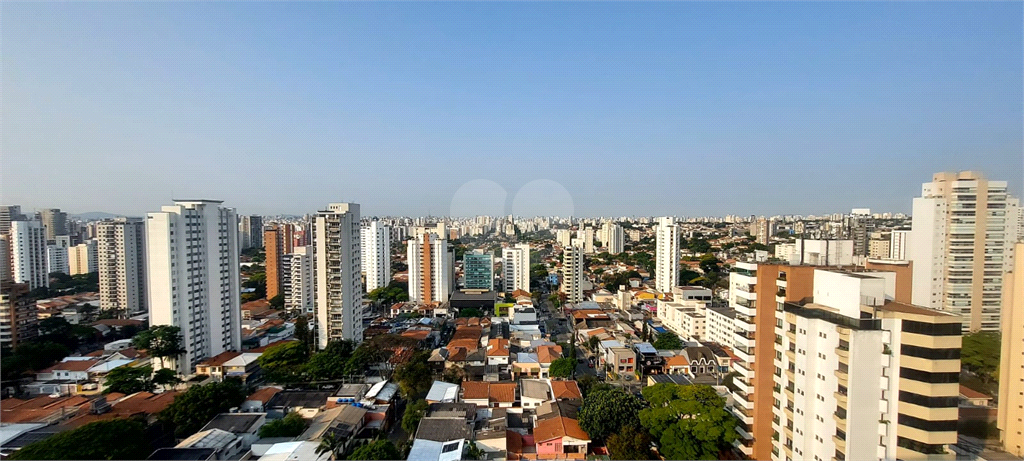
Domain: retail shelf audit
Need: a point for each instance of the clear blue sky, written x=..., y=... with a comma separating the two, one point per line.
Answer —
x=636, y=109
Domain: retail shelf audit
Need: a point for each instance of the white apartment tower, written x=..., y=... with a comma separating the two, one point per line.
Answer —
x=572, y=272
x=586, y=237
x=857, y=377
x=564, y=237
x=57, y=255
x=28, y=254
x=297, y=280
x=192, y=279
x=899, y=242
x=962, y=234
x=121, y=262
x=515, y=267
x=82, y=258
x=613, y=238
x=337, y=267
x=376, y=256
x=431, y=269
x=666, y=260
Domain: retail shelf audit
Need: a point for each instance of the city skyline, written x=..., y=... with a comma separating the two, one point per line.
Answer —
x=694, y=109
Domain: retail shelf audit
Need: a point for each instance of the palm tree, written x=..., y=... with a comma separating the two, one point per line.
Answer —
x=330, y=444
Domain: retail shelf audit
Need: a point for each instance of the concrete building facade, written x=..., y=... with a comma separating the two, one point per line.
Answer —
x=376, y=256
x=192, y=277
x=337, y=266
x=961, y=245
x=572, y=273
x=28, y=254
x=515, y=267
x=121, y=262
x=1011, y=359
x=82, y=258
x=431, y=268
x=666, y=260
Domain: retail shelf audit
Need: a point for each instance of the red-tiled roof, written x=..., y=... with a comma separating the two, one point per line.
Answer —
x=502, y=392
x=475, y=390
x=548, y=354
x=72, y=365
x=566, y=390
x=556, y=428
x=971, y=393
x=264, y=394
x=219, y=359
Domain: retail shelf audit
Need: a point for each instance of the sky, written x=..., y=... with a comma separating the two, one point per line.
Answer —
x=593, y=109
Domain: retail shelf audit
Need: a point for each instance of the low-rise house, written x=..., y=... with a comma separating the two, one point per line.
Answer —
x=348, y=394
x=293, y=451
x=245, y=426
x=306, y=403
x=214, y=366
x=224, y=444
x=535, y=392
x=257, y=401
x=566, y=390
x=560, y=438
x=622, y=359
x=244, y=366
x=526, y=365
x=429, y=450
x=493, y=395
x=443, y=392
x=545, y=355
x=650, y=363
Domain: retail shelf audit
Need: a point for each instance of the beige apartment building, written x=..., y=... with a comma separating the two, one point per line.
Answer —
x=1011, y=360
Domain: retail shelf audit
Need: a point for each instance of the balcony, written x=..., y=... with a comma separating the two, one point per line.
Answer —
x=844, y=377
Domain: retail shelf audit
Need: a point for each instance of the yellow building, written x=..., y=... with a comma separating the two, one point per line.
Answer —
x=1011, y=362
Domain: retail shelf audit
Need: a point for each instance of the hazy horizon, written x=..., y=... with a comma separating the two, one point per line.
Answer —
x=595, y=109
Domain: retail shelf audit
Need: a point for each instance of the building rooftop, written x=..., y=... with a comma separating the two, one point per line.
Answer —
x=894, y=306
x=566, y=390
x=536, y=389
x=299, y=398
x=443, y=429
x=237, y=423
x=183, y=454
x=554, y=428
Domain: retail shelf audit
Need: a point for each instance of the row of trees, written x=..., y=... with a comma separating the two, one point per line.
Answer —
x=294, y=362
x=688, y=422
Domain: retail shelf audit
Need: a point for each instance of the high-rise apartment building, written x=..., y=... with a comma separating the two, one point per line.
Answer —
x=55, y=222
x=9, y=213
x=57, y=255
x=515, y=267
x=1011, y=359
x=572, y=272
x=121, y=262
x=82, y=258
x=763, y=229
x=337, y=264
x=273, y=244
x=5, y=258
x=899, y=241
x=586, y=238
x=431, y=269
x=564, y=237
x=478, y=270
x=298, y=282
x=754, y=293
x=250, y=231
x=376, y=256
x=962, y=234
x=859, y=377
x=28, y=254
x=666, y=270
x=18, y=320
x=192, y=277
x=613, y=238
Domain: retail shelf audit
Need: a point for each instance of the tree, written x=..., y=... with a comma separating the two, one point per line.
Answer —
x=454, y=374
x=415, y=377
x=553, y=299
x=277, y=302
x=330, y=444
x=129, y=380
x=470, y=312
x=292, y=425
x=630, y=443
x=688, y=277
x=593, y=343
x=331, y=362
x=166, y=377
x=34, y=355
x=562, y=368
x=690, y=422
x=605, y=411
x=163, y=341
x=413, y=414
x=112, y=439
x=302, y=332
x=191, y=410
x=474, y=451
x=979, y=353
x=378, y=449
x=284, y=362
x=668, y=341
